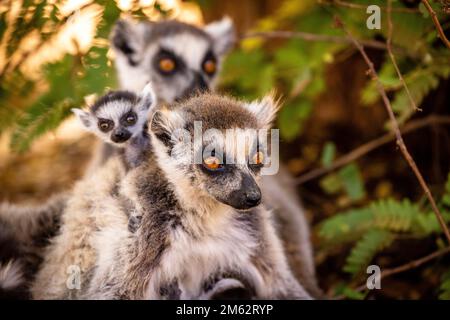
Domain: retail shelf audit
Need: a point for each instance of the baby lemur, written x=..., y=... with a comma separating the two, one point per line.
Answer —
x=119, y=118
x=202, y=227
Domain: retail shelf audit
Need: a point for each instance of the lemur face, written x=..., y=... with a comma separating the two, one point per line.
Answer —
x=179, y=59
x=213, y=158
x=118, y=116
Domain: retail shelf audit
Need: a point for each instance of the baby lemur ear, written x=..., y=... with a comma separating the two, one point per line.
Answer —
x=84, y=117
x=265, y=110
x=127, y=38
x=148, y=99
x=163, y=125
x=223, y=34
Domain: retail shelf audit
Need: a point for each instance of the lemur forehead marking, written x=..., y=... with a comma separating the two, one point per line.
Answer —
x=114, y=110
x=112, y=96
x=172, y=27
x=191, y=48
x=218, y=112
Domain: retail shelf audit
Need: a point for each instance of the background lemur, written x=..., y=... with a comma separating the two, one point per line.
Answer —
x=180, y=59
x=201, y=228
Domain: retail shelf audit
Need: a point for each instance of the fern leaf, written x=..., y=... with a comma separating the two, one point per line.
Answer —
x=346, y=226
x=387, y=214
x=366, y=248
x=48, y=120
x=420, y=82
x=394, y=215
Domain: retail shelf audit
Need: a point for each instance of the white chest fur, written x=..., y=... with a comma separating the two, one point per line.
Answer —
x=198, y=251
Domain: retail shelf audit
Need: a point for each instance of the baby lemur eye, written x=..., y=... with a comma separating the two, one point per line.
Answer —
x=209, y=66
x=212, y=163
x=105, y=125
x=167, y=65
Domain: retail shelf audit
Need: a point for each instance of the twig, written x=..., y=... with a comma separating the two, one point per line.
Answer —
x=318, y=37
x=364, y=7
x=391, y=55
x=436, y=23
x=370, y=146
x=396, y=129
x=405, y=267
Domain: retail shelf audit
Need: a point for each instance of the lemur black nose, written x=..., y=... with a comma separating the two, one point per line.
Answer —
x=120, y=136
x=253, y=198
x=200, y=83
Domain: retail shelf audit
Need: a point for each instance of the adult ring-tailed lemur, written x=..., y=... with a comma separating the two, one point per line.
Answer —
x=203, y=233
x=180, y=59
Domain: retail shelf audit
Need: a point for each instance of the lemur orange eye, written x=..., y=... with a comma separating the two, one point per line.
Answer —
x=258, y=158
x=166, y=65
x=212, y=163
x=209, y=66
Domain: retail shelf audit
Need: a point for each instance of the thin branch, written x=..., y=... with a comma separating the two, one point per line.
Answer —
x=396, y=129
x=364, y=7
x=436, y=23
x=370, y=146
x=319, y=38
x=391, y=55
x=405, y=267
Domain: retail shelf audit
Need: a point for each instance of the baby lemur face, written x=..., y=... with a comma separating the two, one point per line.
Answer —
x=118, y=116
x=179, y=59
x=215, y=146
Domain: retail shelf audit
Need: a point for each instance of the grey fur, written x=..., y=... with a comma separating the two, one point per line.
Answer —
x=24, y=233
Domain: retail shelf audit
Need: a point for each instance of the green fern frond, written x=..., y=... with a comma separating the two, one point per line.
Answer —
x=346, y=226
x=420, y=82
x=31, y=128
x=387, y=214
x=366, y=248
x=394, y=215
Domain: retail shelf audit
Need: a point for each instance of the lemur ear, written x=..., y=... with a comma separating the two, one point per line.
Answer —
x=84, y=117
x=164, y=123
x=127, y=38
x=223, y=34
x=265, y=110
x=148, y=98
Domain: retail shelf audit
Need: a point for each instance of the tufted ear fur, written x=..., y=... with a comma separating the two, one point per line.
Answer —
x=148, y=99
x=127, y=38
x=223, y=34
x=265, y=110
x=164, y=123
x=85, y=118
